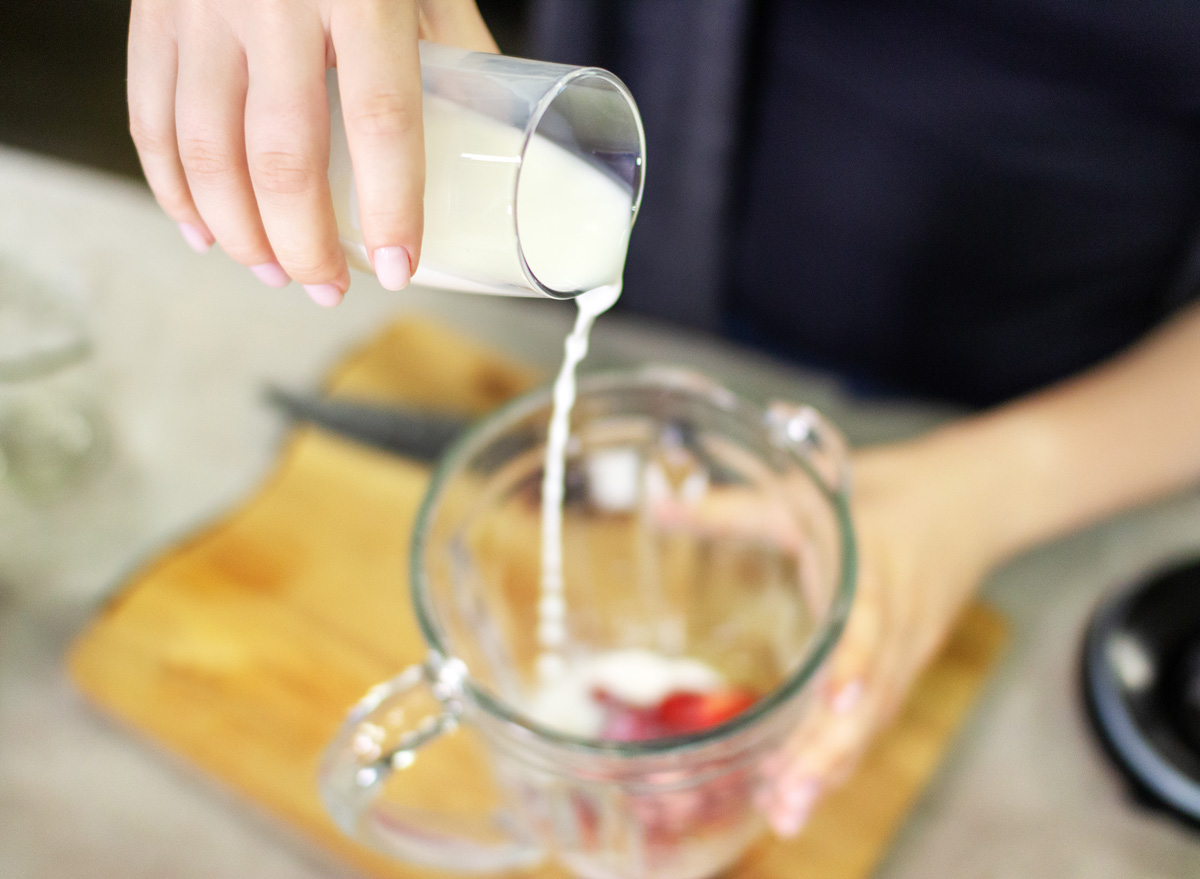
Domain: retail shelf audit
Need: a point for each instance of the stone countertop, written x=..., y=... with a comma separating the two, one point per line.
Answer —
x=184, y=345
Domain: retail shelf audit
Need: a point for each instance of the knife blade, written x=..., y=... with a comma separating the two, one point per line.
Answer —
x=413, y=432
x=424, y=435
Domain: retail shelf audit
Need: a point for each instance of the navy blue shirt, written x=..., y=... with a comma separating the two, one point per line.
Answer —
x=961, y=199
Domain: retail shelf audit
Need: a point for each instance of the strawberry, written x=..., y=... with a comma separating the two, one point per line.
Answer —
x=685, y=712
x=624, y=722
x=681, y=713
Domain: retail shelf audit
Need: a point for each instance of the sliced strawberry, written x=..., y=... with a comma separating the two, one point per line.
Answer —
x=680, y=713
x=684, y=712
x=627, y=723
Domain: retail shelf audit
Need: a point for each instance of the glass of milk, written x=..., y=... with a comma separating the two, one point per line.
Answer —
x=707, y=545
x=533, y=175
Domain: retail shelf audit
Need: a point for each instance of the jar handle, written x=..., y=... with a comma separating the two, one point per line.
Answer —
x=822, y=444
x=380, y=737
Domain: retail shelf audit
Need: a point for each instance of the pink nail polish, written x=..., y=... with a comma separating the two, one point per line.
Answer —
x=325, y=295
x=846, y=698
x=271, y=274
x=197, y=239
x=787, y=825
x=802, y=797
x=393, y=267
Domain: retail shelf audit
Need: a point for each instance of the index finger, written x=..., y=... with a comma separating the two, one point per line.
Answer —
x=379, y=78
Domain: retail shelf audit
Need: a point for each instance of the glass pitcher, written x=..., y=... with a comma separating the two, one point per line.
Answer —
x=650, y=562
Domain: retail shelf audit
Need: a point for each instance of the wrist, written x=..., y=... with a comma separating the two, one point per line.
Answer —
x=976, y=488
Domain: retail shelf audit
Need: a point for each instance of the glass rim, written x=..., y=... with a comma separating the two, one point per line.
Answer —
x=535, y=120
x=822, y=644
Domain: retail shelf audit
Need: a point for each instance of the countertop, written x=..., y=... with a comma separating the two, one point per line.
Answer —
x=184, y=345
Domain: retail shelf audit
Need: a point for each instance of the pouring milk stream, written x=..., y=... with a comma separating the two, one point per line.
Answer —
x=512, y=212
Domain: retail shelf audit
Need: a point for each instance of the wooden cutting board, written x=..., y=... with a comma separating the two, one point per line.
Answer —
x=242, y=648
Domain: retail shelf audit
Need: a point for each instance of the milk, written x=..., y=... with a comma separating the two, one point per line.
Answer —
x=573, y=218
x=489, y=199
x=551, y=631
x=641, y=678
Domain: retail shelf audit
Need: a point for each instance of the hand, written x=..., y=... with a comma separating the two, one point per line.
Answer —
x=920, y=559
x=922, y=549
x=228, y=111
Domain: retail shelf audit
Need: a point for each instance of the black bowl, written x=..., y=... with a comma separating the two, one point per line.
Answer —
x=1141, y=677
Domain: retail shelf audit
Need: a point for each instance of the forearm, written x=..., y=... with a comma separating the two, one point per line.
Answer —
x=932, y=515
x=1119, y=435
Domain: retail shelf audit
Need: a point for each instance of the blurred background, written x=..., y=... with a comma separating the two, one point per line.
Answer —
x=62, y=63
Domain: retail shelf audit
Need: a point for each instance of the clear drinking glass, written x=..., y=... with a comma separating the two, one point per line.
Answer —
x=52, y=433
x=652, y=453
x=533, y=175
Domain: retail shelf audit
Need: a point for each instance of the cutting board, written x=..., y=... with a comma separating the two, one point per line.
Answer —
x=241, y=648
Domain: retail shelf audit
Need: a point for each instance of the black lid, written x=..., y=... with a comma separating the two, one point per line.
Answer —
x=1141, y=677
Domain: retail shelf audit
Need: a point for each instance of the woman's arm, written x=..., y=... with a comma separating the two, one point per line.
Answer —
x=1117, y=436
x=935, y=514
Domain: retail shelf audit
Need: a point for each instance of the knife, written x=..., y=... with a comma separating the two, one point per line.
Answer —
x=421, y=434
x=424, y=434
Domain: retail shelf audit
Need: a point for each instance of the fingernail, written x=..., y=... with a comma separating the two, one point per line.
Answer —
x=792, y=807
x=325, y=295
x=801, y=797
x=847, y=696
x=197, y=239
x=271, y=274
x=392, y=267
x=787, y=824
